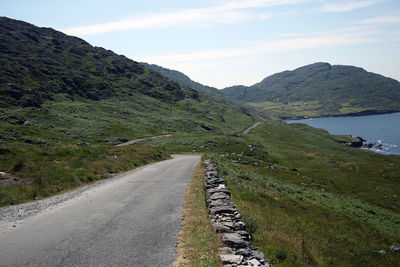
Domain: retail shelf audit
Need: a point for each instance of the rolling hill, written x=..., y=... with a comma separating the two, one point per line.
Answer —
x=318, y=89
x=321, y=89
x=67, y=89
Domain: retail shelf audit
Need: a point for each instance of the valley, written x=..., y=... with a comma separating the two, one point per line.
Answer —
x=72, y=114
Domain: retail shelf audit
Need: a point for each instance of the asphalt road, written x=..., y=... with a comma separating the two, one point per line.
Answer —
x=252, y=127
x=130, y=220
x=142, y=139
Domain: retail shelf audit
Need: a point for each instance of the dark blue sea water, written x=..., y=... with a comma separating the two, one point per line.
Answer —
x=377, y=129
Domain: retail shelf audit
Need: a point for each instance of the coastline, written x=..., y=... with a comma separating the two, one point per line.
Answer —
x=353, y=114
x=383, y=141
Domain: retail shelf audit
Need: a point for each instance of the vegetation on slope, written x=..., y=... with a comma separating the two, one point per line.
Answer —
x=64, y=103
x=38, y=64
x=72, y=91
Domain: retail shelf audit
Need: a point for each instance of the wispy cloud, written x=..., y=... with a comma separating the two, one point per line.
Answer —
x=320, y=40
x=230, y=12
x=382, y=19
x=346, y=6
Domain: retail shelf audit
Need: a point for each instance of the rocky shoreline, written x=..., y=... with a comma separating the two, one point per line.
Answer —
x=227, y=220
x=362, y=143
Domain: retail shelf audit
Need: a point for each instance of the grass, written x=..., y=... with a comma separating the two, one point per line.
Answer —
x=53, y=170
x=300, y=227
x=198, y=243
x=298, y=109
x=113, y=121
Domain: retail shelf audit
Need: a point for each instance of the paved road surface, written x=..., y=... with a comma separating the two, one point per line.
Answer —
x=252, y=127
x=142, y=139
x=131, y=220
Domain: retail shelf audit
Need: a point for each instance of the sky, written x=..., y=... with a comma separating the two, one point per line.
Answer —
x=223, y=43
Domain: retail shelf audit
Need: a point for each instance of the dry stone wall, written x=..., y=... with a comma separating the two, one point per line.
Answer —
x=227, y=220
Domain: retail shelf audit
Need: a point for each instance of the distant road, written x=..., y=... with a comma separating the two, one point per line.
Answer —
x=130, y=220
x=142, y=139
x=252, y=127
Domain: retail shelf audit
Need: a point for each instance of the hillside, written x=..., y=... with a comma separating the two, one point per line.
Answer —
x=321, y=89
x=70, y=90
x=184, y=80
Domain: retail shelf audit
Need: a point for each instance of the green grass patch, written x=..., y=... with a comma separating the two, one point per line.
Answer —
x=295, y=226
x=46, y=171
x=198, y=243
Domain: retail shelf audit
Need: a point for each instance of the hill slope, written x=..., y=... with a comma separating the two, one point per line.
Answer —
x=38, y=63
x=67, y=88
x=184, y=80
x=323, y=89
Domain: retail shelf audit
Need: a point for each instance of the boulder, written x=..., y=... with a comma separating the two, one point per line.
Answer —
x=217, y=196
x=220, y=228
x=234, y=240
x=253, y=262
x=394, y=249
x=230, y=258
x=220, y=202
x=219, y=190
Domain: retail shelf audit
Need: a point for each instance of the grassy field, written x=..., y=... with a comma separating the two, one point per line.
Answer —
x=309, y=199
x=44, y=171
x=305, y=109
x=198, y=243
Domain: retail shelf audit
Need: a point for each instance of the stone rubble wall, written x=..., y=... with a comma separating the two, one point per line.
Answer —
x=227, y=220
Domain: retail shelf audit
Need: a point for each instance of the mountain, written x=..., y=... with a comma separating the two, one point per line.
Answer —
x=322, y=89
x=184, y=80
x=38, y=63
x=66, y=88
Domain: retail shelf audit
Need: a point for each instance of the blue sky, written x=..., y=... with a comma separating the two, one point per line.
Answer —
x=222, y=43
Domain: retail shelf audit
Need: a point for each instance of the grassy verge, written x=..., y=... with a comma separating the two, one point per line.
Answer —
x=45, y=171
x=295, y=226
x=198, y=243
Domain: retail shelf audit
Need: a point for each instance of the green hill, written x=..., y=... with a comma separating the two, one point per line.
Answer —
x=68, y=89
x=184, y=80
x=321, y=89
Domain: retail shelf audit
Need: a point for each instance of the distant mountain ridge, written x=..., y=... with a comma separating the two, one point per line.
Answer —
x=333, y=86
x=318, y=89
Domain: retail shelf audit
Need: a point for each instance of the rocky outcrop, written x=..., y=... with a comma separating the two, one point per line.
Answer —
x=359, y=142
x=227, y=220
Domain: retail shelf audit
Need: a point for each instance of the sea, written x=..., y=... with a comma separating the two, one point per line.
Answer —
x=381, y=129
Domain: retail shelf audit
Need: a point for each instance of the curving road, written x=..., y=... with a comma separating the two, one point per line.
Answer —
x=252, y=127
x=130, y=220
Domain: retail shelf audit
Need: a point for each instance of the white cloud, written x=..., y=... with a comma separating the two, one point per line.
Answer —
x=348, y=6
x=382, y=19
x=226, y=13
x=333, y=39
